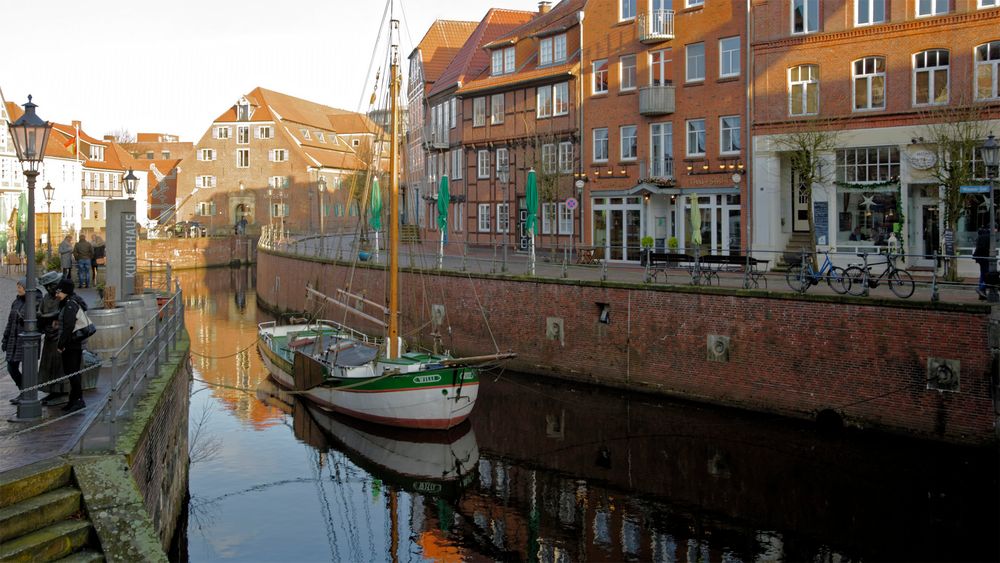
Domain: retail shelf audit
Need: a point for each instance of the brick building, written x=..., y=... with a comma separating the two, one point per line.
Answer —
x=522, y=113
x=872, y=75
x=263, y=159
x=664, y=122
x=443, y=151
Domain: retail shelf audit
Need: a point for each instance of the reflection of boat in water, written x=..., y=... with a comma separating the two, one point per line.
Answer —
x=436, y=463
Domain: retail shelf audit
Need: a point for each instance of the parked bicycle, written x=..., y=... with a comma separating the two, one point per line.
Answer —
x=900, y=281
x=801, y=277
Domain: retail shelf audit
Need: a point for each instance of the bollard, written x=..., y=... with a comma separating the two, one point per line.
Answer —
x=503, y=266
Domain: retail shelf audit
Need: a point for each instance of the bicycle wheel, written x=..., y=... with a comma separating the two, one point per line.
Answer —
x=838, y=280
x=857, y=277
x=901, y=283
x=797, y=279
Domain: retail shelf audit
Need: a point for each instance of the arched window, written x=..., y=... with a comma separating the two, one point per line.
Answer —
x=803, y=90
x=988, y=70
x=869, y=83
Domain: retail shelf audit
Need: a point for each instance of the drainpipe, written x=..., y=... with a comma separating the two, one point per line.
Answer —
x=749, y=128
x=579, y=108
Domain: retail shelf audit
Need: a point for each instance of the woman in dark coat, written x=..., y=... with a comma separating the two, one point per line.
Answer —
x=70, y=348
x=13, y=342
x=50, y=366
x=981, y=255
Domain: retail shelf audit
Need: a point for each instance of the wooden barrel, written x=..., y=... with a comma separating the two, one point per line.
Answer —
x=151, y=307
x=112, y=331
x=135, y=311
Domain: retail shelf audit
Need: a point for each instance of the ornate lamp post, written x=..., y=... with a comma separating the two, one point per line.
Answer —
x=131, y=184
x=30, y=134
x=321, y=187
x=49, y=192
x=990, y=152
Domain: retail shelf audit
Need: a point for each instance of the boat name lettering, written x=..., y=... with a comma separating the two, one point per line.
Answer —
x=427, y=378
x=468, y=375
x=424, y=487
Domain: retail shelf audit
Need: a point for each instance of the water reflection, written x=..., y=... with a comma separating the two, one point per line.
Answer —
x=551, y=471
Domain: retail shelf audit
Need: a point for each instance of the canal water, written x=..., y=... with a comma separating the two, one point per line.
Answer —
x=550, y=471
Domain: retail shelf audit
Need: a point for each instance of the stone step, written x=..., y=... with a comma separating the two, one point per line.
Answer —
x=38, y=512
x=84, y=556
x=50, y=543
x=26, y=482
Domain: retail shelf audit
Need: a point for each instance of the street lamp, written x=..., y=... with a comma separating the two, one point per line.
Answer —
x=30, y=134
x=321, y=186
x=49, y=192
x=131, y=184
x=990, y=152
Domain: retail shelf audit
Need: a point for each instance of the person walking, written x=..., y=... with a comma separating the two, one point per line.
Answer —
x=99, y=253
x=83, y=251
x=982, y=257
x=66, y=257
x=13, y=337
x=50, y=367
x=70, y=348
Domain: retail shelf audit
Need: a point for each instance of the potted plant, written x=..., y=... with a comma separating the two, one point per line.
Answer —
x=646, y=244
x=672, y=245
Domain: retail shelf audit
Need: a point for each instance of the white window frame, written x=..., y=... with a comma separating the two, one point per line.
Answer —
x=930, y=8
x=990, y=62
x=694, y=62
x=205, y=181
x=594, y=75
x=661, y=65
x=243, y=158
x=503, y=159
x=693, y=134
x=803, y=86
x=483, y=164
x=206, y=208
x=278, y=182
x=694, y=3
x=305, y=134
x=560, y=98
x=625, y=134
x=866, y=12
x=729, y=134
x=221, y=132
x=543, y=102
x=265, y=132
x=559, y=48
x=545, y=51
x=479, y=112
x=931, y=72
x=496, y=109
x=483, y=218
x=242, y=134
x=565, y=219
x=566, y=157
x=729, y=57
x=627, y=74
x=496, y=62
x=278, y=155
x=509, y=60
x=503, y=217
x=868, y=77
x=457, y=163
x=601, y=143
x=320, y=137
x=206, y=155
x=627, y=9
x=549, y=158
x=453, y=103
x=97, y=153
x=548, y=218
x=809, y=9
x=985, y=4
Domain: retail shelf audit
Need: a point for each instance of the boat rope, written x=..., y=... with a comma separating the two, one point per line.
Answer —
x=227, y=356
x=224, y=386
x=482, y=311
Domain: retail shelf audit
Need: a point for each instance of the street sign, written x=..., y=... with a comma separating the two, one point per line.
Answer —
x=973, y=189
x=571, y=203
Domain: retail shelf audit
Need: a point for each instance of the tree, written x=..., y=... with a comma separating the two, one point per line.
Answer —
x=955, y=132
x=126, y=140
x=806, y=143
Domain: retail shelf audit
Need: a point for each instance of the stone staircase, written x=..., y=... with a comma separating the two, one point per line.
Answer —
x=42, y=516
x=793, y=252
x=409, y=234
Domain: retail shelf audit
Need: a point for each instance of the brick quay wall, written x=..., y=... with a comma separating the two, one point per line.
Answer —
x=868, y=361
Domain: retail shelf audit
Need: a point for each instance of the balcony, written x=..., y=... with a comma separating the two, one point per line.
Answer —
x=656, y=26
x=661, y=168
x=436, y=139
x=657, y=100
x=102, y=193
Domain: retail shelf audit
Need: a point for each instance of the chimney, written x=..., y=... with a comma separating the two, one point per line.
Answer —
x=544, y=7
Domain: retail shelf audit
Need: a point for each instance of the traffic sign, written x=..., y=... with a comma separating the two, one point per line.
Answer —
x=571, y=203
x=973, y=189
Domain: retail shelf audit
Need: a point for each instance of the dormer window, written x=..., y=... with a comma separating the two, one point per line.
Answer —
x=552, y=50
x=97, y=153
x=243, y=110
x=305, y=134
x=502, y=61
x=320, y=137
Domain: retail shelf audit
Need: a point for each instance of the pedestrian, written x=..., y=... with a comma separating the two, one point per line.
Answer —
x=70, y=348
x=99, y=254
x=50, y=366
x=83, y=251
x=13, y=337
x=982, y=257
x=66, y=257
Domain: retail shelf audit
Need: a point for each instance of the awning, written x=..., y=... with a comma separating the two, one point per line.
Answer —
x=646, y=188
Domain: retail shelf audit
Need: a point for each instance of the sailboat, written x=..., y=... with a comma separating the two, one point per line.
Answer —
x=344, y=370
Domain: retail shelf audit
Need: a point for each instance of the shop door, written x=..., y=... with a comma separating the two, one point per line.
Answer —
x=616, y=235
x=930, y=240
x=800, y=205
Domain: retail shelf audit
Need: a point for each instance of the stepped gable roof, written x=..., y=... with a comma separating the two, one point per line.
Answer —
x=443, y=40
x=561, y=17
x=472, y=58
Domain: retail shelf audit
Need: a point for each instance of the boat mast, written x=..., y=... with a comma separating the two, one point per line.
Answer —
x=392, y=345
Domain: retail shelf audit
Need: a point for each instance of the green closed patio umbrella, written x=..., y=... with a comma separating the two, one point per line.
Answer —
x=443, y=200
x=375, y=210
x=531, y=224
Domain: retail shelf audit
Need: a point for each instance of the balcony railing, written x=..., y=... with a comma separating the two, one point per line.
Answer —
x=105, y=193
x=656, y=26
x=657, y=100
x=436, y=139
x=662, y=167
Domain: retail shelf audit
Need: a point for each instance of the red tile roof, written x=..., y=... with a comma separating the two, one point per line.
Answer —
x=486, y=83
x=443, y=40
x=561, y=17
x=470, y=61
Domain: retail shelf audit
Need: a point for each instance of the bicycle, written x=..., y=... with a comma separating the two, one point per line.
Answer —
x=801, y=277
x=900, y=281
